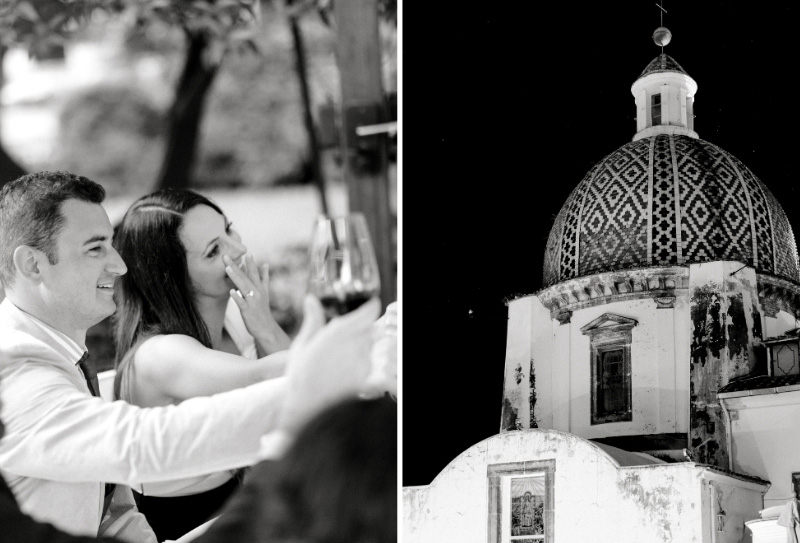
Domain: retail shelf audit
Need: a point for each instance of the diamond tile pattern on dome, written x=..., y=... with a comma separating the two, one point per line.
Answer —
x=785, y=248
x=614, y=221
x=569, y=239
x=665, y=239
x=761, y=221
x=551, y=253
x=724, y=213
x=715, y=221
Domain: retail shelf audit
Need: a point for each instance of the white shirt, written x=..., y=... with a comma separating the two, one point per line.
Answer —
x=70, y=345
x=62, y=444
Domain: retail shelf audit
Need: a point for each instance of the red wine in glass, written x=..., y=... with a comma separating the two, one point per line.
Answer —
x=343, y=269
x=335, y=307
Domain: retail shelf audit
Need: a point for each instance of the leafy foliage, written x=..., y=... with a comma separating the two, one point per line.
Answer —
x=40, y=25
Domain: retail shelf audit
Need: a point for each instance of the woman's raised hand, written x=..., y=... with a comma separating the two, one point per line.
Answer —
x=252, y=297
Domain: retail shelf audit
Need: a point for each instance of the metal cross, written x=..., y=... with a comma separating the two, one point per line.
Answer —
x=661, y=15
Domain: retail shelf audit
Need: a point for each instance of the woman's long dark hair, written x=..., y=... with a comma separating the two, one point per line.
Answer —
x=155, y=296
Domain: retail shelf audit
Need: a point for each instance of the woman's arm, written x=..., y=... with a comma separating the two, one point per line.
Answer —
x=180, y=367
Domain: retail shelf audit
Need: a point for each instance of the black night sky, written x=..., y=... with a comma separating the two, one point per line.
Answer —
x=505, y=107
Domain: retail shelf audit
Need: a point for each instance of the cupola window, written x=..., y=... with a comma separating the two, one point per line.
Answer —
x=655, y=108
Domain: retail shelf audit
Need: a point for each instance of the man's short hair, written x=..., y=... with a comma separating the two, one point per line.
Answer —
x=30, y=213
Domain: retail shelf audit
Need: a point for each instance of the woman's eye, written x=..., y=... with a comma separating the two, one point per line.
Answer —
x=95, y=250
x=213, y=252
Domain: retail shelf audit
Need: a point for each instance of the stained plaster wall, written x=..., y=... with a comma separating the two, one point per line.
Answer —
x=529, y=343
x=595, y=499
x=723, y=308
x=765, y=439
x=561, y=369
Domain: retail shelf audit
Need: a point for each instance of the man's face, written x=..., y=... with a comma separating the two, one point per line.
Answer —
x=78, y=290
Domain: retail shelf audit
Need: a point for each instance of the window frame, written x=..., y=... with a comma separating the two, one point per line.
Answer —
x=599, y=416
x=655, y=105
x=607, y=333
x=500, y=474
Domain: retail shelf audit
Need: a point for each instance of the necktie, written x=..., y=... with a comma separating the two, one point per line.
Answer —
x=90, y=373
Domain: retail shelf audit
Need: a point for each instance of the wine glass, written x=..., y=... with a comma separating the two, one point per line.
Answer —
x=343, y=269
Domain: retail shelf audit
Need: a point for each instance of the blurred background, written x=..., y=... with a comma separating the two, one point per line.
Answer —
x=277, y=110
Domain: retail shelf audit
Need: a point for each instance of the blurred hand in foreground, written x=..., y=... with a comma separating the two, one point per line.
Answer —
x=383, y=375
x=327, y=362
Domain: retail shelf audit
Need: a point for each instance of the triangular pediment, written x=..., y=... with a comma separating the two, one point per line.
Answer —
x=608, y=321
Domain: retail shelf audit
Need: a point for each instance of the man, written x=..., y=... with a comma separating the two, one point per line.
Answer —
x=243, y=517
x=62, y=443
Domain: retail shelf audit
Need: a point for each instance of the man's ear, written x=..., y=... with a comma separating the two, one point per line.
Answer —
x=27, y=261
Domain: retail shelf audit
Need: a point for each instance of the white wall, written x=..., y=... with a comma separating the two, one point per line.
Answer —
x=658, y=365
x=562, y=366
x=518, y=360
x=765, y=438
x=595, y=498
x=778, y=325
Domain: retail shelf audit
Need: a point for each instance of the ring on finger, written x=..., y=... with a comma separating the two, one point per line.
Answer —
x=251, y=293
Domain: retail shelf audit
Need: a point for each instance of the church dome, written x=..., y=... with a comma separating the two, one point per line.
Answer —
x=667, y=200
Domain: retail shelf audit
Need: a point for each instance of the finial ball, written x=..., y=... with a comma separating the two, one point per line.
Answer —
x=662, y=36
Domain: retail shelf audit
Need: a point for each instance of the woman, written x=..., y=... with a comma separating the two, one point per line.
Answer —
x=178, y=335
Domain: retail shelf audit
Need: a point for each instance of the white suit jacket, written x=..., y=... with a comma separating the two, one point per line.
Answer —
x=62, y=443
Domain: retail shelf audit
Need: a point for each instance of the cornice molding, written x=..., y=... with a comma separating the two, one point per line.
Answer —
x=659, y=283
x=776, y=294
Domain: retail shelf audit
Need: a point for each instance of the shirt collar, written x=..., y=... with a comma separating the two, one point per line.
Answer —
x=58, y=336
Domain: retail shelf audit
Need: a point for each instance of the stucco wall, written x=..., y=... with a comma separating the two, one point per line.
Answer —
x=561, y=356
x=765, y=440
x=655, y=368
x=595, y=499
x=778, y=325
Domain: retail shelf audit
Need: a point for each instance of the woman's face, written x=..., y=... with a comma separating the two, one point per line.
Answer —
x=206, y=235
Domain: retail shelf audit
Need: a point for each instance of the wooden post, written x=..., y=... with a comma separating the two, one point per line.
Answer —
x=358, y=55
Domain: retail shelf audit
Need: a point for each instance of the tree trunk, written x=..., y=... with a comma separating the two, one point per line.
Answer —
x=185, y=115
x=308, y=119
x=9, y=169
